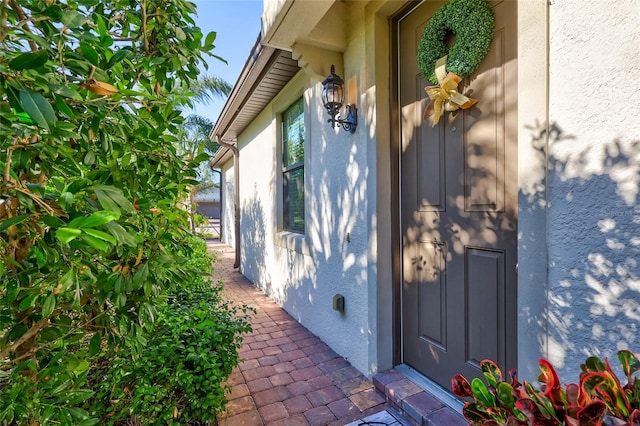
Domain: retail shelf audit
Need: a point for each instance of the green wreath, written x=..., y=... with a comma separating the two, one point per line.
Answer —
x=472, y=22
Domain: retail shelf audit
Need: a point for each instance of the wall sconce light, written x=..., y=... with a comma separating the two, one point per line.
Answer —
x=333, y=98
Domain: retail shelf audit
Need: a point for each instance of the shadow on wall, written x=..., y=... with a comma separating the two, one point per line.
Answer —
x=594, y=246
x=253, y=242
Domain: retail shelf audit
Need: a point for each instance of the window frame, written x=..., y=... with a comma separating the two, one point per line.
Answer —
x=288, y=169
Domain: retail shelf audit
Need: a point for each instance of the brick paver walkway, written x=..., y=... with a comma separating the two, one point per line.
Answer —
x=288, y=376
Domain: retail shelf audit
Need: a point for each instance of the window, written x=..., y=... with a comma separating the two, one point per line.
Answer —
x=293, y=167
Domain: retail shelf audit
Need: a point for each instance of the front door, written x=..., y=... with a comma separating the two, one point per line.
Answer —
x=459, y=210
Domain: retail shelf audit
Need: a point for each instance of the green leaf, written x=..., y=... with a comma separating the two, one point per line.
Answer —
x=157, y=61
x=29, y=60
x=94, y=242
x=89, y=422
x=481, y=392
x=99, y=234
x=96, y=219
x=630, y=363
x=95, y=344
x=75, y=396
x=121, y=234
x=28, y=302
x=89, y=53
x=13, y=221
x=73, y=19
x=67, y=234
x=65, y=91
x=49, y=305
x=505, y=395
x=23, y=117
x=118, y=57
x=102, y=28
x=65, y=200
x=49, y=334
x=111, y=198
x=38, y=108
x=63, y=107
x=148, y=288
x=141, y=276
x=211, y=37
x=491, y=372
x=52, y=221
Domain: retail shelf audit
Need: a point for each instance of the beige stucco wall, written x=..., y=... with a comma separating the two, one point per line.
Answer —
x=593, y=184
x=579, y=171
x=578, y=174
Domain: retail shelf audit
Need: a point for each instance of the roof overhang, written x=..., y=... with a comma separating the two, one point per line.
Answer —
x=266, y=71
x=317, y=22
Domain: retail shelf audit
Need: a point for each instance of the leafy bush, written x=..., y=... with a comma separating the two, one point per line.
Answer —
x=599, y=398
x=91, y=236
x=179, y=374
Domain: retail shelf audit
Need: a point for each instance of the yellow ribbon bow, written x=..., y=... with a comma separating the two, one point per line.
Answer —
x=445, y=96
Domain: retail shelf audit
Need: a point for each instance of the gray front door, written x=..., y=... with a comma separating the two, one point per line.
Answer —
x=459, y=210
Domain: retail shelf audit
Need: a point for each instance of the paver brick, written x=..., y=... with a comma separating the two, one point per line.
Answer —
x=257, y=373
x=271, y=412
x=248, y=364
x=284, y=367
x=235, y=378
x=397, y=391
x=237, y=391
x=333, y=364
x=298, y=420
x=259, y=385
x=272, y=350
x=325, y=396
x=269, y=396
x=420, y=405
x=445, y=416
x=302, y=362
x=281, y=379
x=268, y=360
x=240, y=405
x=355, y=385
x=319, y=357
x=367, y=399
x=319, y=416
x=300, y=388
x=297, y=404
x=344, y=408
x=258, y=345
x=320, y=382
x=291, y=355
x=305, y=373
x=249, y=418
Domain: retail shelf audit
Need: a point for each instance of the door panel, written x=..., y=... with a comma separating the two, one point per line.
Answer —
x=459, y=211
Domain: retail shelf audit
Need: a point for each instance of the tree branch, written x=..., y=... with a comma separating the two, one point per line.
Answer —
x=23, y=24
x=4, y=29
x=35, y=328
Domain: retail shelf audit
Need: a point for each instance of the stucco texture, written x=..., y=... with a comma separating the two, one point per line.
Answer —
x=594, y=174
x=300, y=272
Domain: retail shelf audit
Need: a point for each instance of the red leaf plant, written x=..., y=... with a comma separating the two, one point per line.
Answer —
x=598, y=400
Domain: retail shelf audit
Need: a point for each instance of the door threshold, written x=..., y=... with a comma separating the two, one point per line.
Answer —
x=431, y=387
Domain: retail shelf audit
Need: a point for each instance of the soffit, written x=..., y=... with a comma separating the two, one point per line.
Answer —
x=265, y=73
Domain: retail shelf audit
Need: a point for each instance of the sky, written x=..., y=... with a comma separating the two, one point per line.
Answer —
x=237, y=24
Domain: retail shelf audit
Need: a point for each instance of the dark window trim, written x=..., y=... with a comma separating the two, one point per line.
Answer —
x=287, y=170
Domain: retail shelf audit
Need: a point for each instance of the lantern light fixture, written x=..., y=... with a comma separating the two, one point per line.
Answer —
x=333, y=98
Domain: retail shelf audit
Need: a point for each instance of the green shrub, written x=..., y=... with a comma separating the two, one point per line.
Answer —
x=179, y=375
x=92, y=238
